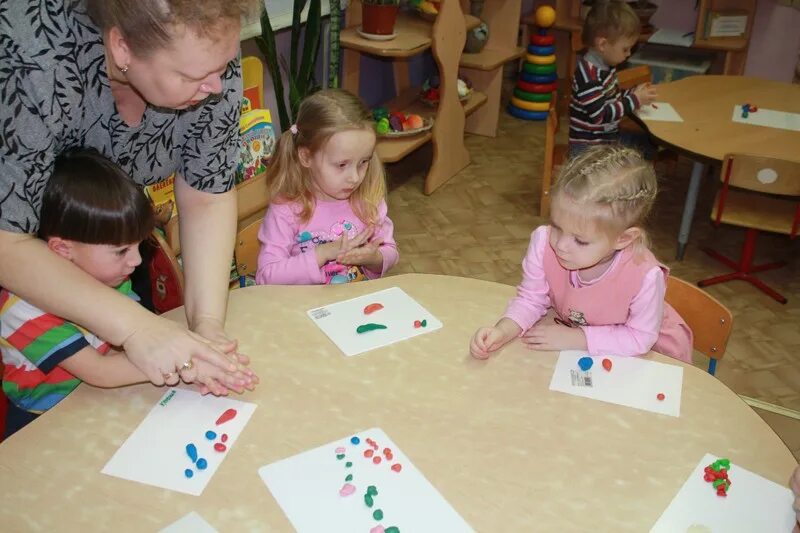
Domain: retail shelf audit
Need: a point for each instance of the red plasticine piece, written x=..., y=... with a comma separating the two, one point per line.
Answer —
x=371, y=308
x=660, y=396
x=220, y=447
x=387, y=451
x=229, y=414
x=417, y=324
x=397, y=467
x=607, y=364
x=368, y=452
x=376, y=459
x=224, y=437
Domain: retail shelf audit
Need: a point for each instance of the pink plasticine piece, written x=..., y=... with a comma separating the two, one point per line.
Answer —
x=346, y=490
x=377, y=529
x=340, y=449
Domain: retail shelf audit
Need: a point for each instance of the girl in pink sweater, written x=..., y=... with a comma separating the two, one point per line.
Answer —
x=327, y=220
x=593, y=267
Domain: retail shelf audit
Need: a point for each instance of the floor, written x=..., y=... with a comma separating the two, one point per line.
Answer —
x=478, y=225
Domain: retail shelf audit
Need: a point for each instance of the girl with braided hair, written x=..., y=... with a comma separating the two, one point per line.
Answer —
x=592, y=265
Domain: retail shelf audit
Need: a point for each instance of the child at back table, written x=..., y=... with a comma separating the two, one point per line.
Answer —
x=94, y=216
x=327, y=220
x=593, y=267
x=610, y=31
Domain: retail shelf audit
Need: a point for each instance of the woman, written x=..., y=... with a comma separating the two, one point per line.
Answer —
x=154, y=85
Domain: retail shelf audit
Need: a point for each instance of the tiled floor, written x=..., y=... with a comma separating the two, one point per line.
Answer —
x=479, y=223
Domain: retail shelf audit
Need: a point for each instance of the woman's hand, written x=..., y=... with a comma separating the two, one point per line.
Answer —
x=554, y=337
x=794, y=483
x=211, y=330
x=165, y=352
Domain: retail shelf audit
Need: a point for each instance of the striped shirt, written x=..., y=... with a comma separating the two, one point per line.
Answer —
x=33, y=345
x=597, y=104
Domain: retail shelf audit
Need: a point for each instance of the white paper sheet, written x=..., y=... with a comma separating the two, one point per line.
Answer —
x=339, y=320
x=307, y=486
x=768, y=118
x=752, y=504
x=672, y=37
x=191, y=523
x=632, y=381
x=155, y=453
x=659, y=111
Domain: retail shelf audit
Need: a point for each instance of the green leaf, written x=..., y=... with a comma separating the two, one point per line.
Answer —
x=310, y=46
x=266, y=43
x=297, y=27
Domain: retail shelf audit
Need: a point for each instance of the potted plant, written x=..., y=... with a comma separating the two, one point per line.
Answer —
x=378, y=16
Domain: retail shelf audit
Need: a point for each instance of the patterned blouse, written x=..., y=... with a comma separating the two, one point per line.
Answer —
x=55, y=94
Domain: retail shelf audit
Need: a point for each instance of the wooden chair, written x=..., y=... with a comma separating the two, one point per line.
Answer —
x=253, y=81
x=252, y=198
x=166, y=275
x=760, y=194
x=710, y=321
x=554, y=156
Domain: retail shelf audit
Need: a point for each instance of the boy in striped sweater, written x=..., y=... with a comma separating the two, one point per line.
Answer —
x=94, y=216
x=610, y=31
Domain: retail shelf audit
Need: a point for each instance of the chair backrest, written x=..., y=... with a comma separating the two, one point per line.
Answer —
x=631, y=77
x=246, y=248
x=709, y=320
x=166, y=275
x=253, y=81
x=551, y=128
x=253, y=202
x=251, y=196
x=762, y=174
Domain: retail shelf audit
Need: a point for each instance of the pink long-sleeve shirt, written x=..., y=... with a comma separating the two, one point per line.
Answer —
x=287, y=254
x=647, y=316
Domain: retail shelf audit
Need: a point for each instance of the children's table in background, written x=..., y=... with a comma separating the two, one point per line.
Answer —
x=708, y=132
x=505, y=451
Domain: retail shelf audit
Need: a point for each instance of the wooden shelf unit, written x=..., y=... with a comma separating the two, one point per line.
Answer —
x=445, y=37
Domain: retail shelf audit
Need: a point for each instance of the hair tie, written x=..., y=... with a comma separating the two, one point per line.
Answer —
x=293, y=129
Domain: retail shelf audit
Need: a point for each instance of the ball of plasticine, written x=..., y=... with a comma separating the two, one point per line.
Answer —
x=396, y=123
x=382, y=126
x=585, y=363
x=414, y=122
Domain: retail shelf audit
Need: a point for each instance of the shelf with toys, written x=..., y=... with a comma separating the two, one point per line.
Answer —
x=412, y=35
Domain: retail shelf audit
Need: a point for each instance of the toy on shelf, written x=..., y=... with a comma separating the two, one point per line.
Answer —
x=538, y=80
x=397, y=123
x=426, y=9
x=430, y=90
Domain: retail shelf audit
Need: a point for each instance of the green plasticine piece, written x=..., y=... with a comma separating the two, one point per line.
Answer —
x=726, y=463
x=718, y=482
x=349, y=477
x=378, y=515
x=363, y=328
x=340, y=456
x=348, y=464
x=372, y=490
x=424, y=323
x=368, y=500
x=391, y=529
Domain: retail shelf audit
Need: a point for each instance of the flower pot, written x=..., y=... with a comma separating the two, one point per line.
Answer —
x=378, y=19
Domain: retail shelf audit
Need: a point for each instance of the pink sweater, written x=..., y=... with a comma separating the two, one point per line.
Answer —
x=622, y=312
x=287, y=246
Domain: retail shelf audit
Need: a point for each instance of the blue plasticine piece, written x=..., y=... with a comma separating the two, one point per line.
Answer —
x=538, y=78
x=202, y=464
x=355, y=440
x=541, y=50
x=191, y=451
x=534, y=78
x=210, y=435
x=585, y=363
x=524, y=114
x=188, y=473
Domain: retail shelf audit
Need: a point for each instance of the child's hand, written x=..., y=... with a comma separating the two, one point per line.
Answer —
x=485, y=341
x=645, y=93
x=553, y=337
x=331, y=250
x=795, y=484
x=367, y=255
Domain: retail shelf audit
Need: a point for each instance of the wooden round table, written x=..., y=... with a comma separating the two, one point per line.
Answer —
x=707, y=132
x=506, y=452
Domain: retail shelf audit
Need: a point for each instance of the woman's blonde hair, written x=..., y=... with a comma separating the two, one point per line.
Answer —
x=611, y=19
x=611, y=186
x=148, y=25
x=320, y=117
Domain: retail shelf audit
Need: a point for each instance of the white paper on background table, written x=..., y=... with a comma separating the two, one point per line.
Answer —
x=339, y=320
x=768, y=117
x=155, y=453
x=632, y=381
x=753, y=504
x=307, y=485
x=664, y=112
x=191, y=523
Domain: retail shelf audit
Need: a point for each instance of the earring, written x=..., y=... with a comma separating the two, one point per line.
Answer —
x=124, y=69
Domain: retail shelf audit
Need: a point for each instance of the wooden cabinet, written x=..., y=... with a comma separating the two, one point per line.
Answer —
x=445, y=37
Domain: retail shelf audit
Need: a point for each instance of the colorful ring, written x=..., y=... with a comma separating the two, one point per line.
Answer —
x=541, y=50
x=542, y=40
x=532, y=97
x=543, y=78
x=538, y=69
x=529, y=106
x=533, y=86
x=526, y=115
x=540, y=60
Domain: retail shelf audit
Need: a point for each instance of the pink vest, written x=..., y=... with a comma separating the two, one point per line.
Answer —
x=608, y=302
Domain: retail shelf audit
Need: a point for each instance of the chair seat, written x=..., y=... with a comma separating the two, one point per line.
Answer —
x=758, y=211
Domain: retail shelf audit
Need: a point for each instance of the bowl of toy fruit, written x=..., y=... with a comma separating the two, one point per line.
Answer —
x=399, y=124
x=427, y=9
x=430, y=90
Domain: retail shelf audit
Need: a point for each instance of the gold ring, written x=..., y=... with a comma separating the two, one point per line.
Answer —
x=188, y=365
